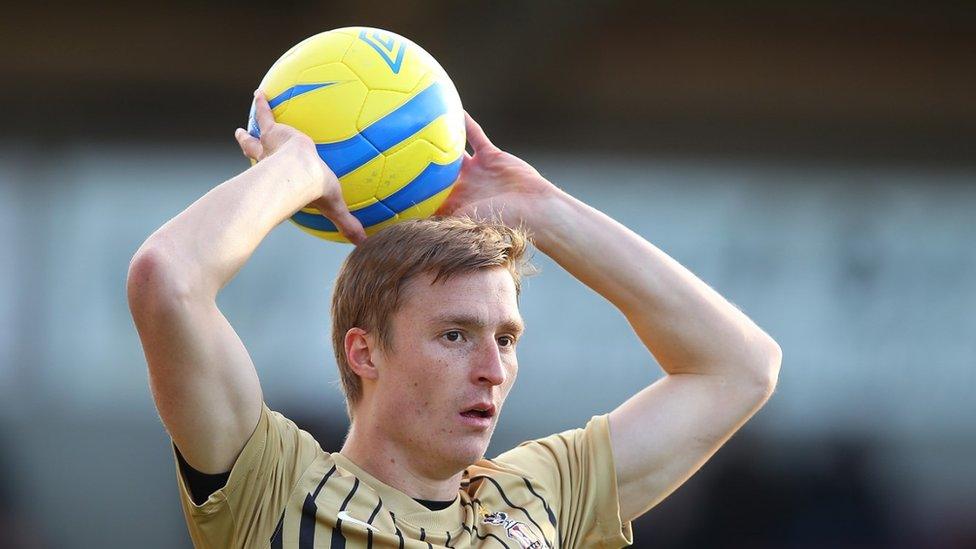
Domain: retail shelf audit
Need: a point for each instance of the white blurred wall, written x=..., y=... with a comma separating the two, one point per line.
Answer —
x=865, y=275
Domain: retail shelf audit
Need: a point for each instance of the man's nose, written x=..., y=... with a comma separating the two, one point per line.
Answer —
x=489, y=368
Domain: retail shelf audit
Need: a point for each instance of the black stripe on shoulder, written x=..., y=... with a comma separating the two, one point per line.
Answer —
x=379, y=503
x=398, y=533
x=323, y=481
x=513, y=506
x=306, y=529
x=338, y=538
x=345, y=502
x=552, y=516
x=369, y=532
x=545, y=504
x=423, y=537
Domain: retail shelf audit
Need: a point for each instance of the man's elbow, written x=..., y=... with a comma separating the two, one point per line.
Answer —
x=155, y=282
x=764, y=372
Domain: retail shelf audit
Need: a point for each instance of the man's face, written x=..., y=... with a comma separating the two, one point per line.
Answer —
x=441, y=388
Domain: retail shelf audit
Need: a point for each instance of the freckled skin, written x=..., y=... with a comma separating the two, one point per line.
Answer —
x=434, y=373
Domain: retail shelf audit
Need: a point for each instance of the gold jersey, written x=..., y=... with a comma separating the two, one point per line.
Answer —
x=284, y=491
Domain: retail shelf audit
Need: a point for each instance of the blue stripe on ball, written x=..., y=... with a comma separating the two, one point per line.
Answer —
x=407, y=119
x=434, y=179
x=295, y=91
x=290, y=93
x=346, y=156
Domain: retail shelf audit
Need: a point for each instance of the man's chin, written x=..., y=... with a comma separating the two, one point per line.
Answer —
x=461, y=450
x=470, y=453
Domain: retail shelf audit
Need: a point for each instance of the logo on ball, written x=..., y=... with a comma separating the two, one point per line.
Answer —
x=386, y=46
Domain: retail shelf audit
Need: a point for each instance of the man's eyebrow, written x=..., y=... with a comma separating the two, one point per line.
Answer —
x=510, y=325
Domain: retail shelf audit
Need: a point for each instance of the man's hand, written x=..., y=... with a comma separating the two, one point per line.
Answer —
x=275, y=136
x=495, y=183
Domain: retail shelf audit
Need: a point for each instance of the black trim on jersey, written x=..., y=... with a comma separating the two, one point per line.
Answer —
x=552, y=516
x=369, y=531
x=276, y=540
x=398, y=533
x=306, y=529
x=323, y=481
x=423, y=537
x=448, y=542
x=545, y=504
x=513, y=506
x=201, y=485
x=338, y=538
x=376, y=511
x=435, y=504
x=466, y=531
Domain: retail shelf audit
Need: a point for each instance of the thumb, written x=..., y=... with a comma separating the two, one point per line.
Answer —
x=476, y=136
x=250, y=146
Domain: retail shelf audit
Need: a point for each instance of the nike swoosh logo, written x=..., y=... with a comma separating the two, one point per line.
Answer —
x=345, y=516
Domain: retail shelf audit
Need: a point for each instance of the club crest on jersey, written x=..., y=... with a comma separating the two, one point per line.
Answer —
x=515, y=530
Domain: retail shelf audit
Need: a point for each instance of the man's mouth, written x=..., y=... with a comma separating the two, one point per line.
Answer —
x=480, y=410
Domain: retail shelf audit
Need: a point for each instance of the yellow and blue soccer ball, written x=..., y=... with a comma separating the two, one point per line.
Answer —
x=384, y=116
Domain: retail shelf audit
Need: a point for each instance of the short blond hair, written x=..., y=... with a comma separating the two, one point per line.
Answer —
x=370, y=285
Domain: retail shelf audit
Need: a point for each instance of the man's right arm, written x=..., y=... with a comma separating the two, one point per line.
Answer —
x=203, y=381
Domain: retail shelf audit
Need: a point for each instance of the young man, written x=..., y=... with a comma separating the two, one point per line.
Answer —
x=425, y=324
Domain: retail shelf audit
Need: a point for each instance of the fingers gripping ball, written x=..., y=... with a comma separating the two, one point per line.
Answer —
x=384, y=116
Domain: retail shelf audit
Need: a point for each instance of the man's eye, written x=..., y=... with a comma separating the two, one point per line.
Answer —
x=506, y=341
x=453, y=335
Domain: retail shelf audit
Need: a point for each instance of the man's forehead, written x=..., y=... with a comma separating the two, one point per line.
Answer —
x=476, y=286
x=480, y=301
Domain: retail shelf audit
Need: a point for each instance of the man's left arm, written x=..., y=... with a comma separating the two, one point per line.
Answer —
x=721, y=367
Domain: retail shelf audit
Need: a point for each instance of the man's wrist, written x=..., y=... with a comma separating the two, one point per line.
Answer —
x=547, y=215
x=303, y=170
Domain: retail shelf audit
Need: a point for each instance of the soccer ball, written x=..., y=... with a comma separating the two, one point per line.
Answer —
x=384, y=116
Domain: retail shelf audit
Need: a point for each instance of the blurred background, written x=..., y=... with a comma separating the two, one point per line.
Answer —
x=812, y=161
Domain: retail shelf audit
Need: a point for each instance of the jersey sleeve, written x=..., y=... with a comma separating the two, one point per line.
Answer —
x=575, y=470
x=247, y=507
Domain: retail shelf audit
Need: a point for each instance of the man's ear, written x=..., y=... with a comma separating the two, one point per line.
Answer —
x=360, y=347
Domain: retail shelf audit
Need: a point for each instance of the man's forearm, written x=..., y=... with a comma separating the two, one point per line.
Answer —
x=206, y=244
x=687, y=326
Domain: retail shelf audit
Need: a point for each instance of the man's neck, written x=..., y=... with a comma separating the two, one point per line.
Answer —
x=396, y=467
